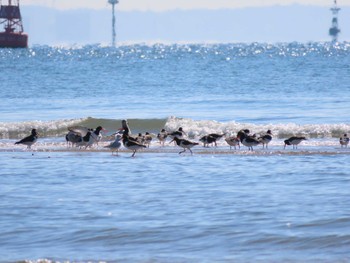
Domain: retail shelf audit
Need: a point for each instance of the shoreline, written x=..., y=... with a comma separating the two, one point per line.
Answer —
x=196, y=151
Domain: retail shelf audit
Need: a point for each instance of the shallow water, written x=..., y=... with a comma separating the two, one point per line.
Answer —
x=267, y=205
x=157, y=206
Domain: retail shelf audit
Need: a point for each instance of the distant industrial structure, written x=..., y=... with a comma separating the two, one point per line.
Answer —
x=11, y=20
x=113, y=3
x=334, y=30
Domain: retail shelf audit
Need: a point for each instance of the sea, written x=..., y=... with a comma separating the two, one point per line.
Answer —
x=62, y=203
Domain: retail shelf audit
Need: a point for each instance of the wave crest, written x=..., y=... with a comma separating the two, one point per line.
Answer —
x=193, y=128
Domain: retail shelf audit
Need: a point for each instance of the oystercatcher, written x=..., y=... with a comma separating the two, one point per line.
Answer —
x=207, y=139
x=96, y=134
x=344, y=140
x=295, y=140
x=247, y=140
x=178, y=134
x=211, y=138
x=132, y=145
x=87, y=136
x=266, y=138
x=185, y=144
x=72, y=138
x=29, y=140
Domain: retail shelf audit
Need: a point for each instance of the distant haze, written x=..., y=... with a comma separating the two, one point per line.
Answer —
x=166, y=5
x=272, y=24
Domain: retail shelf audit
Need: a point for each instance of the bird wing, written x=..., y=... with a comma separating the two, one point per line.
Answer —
x=82, y=131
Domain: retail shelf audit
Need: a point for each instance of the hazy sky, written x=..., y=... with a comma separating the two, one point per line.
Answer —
x=162, y=5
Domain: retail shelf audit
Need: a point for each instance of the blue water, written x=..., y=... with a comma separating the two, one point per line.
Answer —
x=257, y=82
x=217, y=205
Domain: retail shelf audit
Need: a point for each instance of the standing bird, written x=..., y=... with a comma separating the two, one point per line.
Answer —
x=295, y=140
x=216, y=136
x=162, y=136
x=126, y=130
x=72, y=138
x=344, y=140
x=247, y=140
x=87, y=136
x=185, y=144
x=132, y=144
x=207, y=139
x=147, y=138
x=125, y=127
x=85, y=141
x=114, y=146
x=96, y=134
x=233, y=141
x=29, y=140
x=265, y=139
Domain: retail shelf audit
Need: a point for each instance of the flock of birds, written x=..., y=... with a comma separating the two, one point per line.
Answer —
x=83, y=137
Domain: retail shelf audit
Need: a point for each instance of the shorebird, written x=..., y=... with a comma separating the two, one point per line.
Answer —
x=162, y=136
x=247, y=140
x=29, y=140
x=185, y=144
x=147, y=138
x=295, y=140
x=114, y=146
x=216, y=136
x=207, y=139
x=233, y=141
x=178, y=134
x=344, y=140
x=265, y=139
x=96, y=134
x=85, y=137
x=211, y=138
x=132, y=144
x=72, y=138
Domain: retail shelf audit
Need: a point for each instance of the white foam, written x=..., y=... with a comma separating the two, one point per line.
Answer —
x=48, y=128
x=197, y=128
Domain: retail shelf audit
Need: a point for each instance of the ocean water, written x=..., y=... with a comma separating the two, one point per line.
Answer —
x=60, y=203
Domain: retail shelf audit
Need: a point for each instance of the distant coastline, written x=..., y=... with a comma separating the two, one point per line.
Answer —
x=267, y=24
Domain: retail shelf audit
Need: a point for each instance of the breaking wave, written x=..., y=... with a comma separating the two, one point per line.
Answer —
x=193, y=128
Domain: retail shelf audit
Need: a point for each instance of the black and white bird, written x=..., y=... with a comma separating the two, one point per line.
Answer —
x=295, y=140
x=233, y=141
x=97, y=135
x=87, y=136
x=178, y=134
x=29, y=140
x=216, y=136
x=72, y=138
x=211, y=138
x=86, y=141
x=114, y=146
x=185, y=144
x=344, y=140
x=132, y=145
x=207, y=139
x=246, y=140
x=266, y=139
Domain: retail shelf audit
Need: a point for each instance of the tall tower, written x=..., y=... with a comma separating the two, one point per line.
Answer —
x=334, y=30
x=113, y=3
